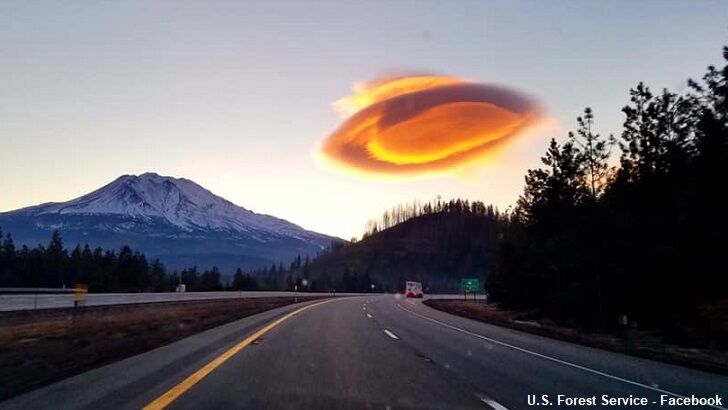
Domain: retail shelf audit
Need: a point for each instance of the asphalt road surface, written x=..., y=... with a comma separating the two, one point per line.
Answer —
x=368, y=352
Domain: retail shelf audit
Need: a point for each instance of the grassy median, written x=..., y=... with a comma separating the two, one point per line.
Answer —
x=42, y=346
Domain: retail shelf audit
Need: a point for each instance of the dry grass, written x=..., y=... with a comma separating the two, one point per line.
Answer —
x=40, y=347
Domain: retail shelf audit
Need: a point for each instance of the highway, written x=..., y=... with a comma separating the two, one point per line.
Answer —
x=378, y=351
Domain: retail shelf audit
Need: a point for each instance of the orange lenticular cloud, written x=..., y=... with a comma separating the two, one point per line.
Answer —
x=366, y=94
x=425, y=124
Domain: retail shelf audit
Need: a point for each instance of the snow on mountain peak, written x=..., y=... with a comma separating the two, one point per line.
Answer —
x=179, y=201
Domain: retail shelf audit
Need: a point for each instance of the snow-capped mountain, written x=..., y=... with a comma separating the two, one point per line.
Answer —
x=178, y=201
x=171, y=218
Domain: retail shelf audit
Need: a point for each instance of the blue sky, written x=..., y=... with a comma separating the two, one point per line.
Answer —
x=237, y=95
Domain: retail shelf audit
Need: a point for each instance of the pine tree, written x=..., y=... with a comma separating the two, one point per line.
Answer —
x=592, y=152
x=552, y=191
x=54, y=264
x=238, y=280
x=158, y=280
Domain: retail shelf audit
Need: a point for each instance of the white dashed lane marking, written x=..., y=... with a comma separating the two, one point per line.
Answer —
x=491, y=403
x=390, y=334
x=553, y=359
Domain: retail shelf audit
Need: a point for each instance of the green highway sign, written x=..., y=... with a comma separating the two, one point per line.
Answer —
x=470, y=285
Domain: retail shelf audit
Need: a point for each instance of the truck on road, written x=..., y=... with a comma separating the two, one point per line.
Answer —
x=413, y=289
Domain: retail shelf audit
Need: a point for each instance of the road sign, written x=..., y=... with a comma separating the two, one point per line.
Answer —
x=79, y=294
x=470, y=285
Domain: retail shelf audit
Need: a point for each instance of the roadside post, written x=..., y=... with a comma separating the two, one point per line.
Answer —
x=79, y=297
x=469, y=285
x=79, y=294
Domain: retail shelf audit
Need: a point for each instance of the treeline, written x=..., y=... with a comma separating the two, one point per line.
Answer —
x=593, y=241
x=54, y=266
x=404, y=212
x=298, y=275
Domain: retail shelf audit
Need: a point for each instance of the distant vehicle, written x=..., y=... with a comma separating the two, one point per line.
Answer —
x=413, y=289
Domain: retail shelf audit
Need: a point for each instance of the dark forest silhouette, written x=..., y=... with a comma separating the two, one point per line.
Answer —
x=591, y=242
x=127, y=270
x=102, y=270
x=436, y=243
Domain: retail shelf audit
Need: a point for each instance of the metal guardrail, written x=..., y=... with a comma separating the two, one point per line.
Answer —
x=30, y=291
x=78, y=293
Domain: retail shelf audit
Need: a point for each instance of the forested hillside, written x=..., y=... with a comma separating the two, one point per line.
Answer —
x=435, y=243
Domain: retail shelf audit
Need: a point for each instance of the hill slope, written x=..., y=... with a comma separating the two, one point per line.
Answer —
x=437, y=249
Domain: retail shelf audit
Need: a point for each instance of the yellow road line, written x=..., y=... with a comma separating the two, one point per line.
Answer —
x=175, y=392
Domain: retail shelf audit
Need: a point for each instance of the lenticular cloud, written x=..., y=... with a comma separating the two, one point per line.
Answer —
x=425, y=124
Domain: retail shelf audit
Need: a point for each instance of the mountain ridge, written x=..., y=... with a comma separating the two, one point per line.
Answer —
x=166, y=208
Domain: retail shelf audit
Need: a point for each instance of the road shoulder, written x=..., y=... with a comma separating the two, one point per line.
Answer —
x=699, y=359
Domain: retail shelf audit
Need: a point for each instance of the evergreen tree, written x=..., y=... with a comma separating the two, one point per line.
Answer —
x=238, y=280
x=592, y=153
x=210, y=280
x=158, y=280
x=54, y=262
